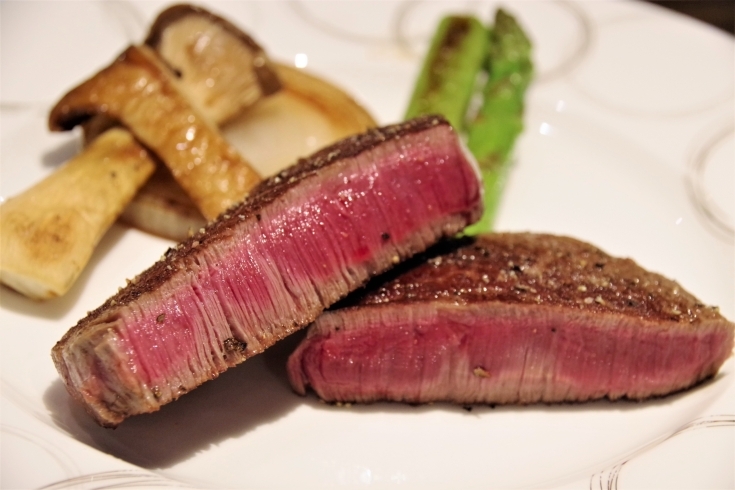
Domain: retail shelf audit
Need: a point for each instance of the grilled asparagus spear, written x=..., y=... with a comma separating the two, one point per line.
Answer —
x=492, y=133
x=447, y=81
x=448, y=76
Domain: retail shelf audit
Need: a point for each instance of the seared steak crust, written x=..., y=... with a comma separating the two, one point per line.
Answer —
x=512, y=318
x=270, y=265
x=538, y=269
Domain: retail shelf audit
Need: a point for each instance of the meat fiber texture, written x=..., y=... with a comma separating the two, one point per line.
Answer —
x=270, y=265
x=513, y=319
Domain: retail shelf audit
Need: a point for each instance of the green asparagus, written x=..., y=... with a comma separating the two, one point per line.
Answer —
x=447, y=79
x=459, y=49
x=492, y=133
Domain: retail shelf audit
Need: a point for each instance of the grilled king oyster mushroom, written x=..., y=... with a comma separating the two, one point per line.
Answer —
x=48, y=232
x=220, y=68
x=223, y=72
x=139, y=91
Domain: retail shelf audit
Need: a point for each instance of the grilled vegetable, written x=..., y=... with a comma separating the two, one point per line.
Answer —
x=446, y=85
x=220, y=68
x=205, y=62
x=137, y=90
x=310, y=110
x=448, y=77
x=48, y=233
x=162, y=208
x=492, y=133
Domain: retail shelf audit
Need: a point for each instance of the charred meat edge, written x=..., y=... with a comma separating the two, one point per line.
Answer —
x=577, y=275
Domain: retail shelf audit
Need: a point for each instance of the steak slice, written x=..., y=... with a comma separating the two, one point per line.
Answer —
x=513, y=318
x=270, y=265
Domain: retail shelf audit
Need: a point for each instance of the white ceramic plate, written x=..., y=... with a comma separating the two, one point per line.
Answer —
x=628, y=145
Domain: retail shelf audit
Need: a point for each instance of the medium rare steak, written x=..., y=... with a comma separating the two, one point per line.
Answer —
x=512, y=318
x=270, y=265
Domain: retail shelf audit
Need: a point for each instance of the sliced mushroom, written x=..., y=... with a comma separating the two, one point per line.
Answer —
x=161, y=207
x=138, y=90
x=220, y=68
x=312, y=111
x=347, y=117
x=48, y=233
x=307, y=114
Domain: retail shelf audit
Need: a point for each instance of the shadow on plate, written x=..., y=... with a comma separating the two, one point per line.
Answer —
x=57, y=308
x=243, y=398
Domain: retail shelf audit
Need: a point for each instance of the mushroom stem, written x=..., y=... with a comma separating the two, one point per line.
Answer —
x=48, y=233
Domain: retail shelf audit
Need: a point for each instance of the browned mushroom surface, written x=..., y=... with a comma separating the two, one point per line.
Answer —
x=137, y=90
